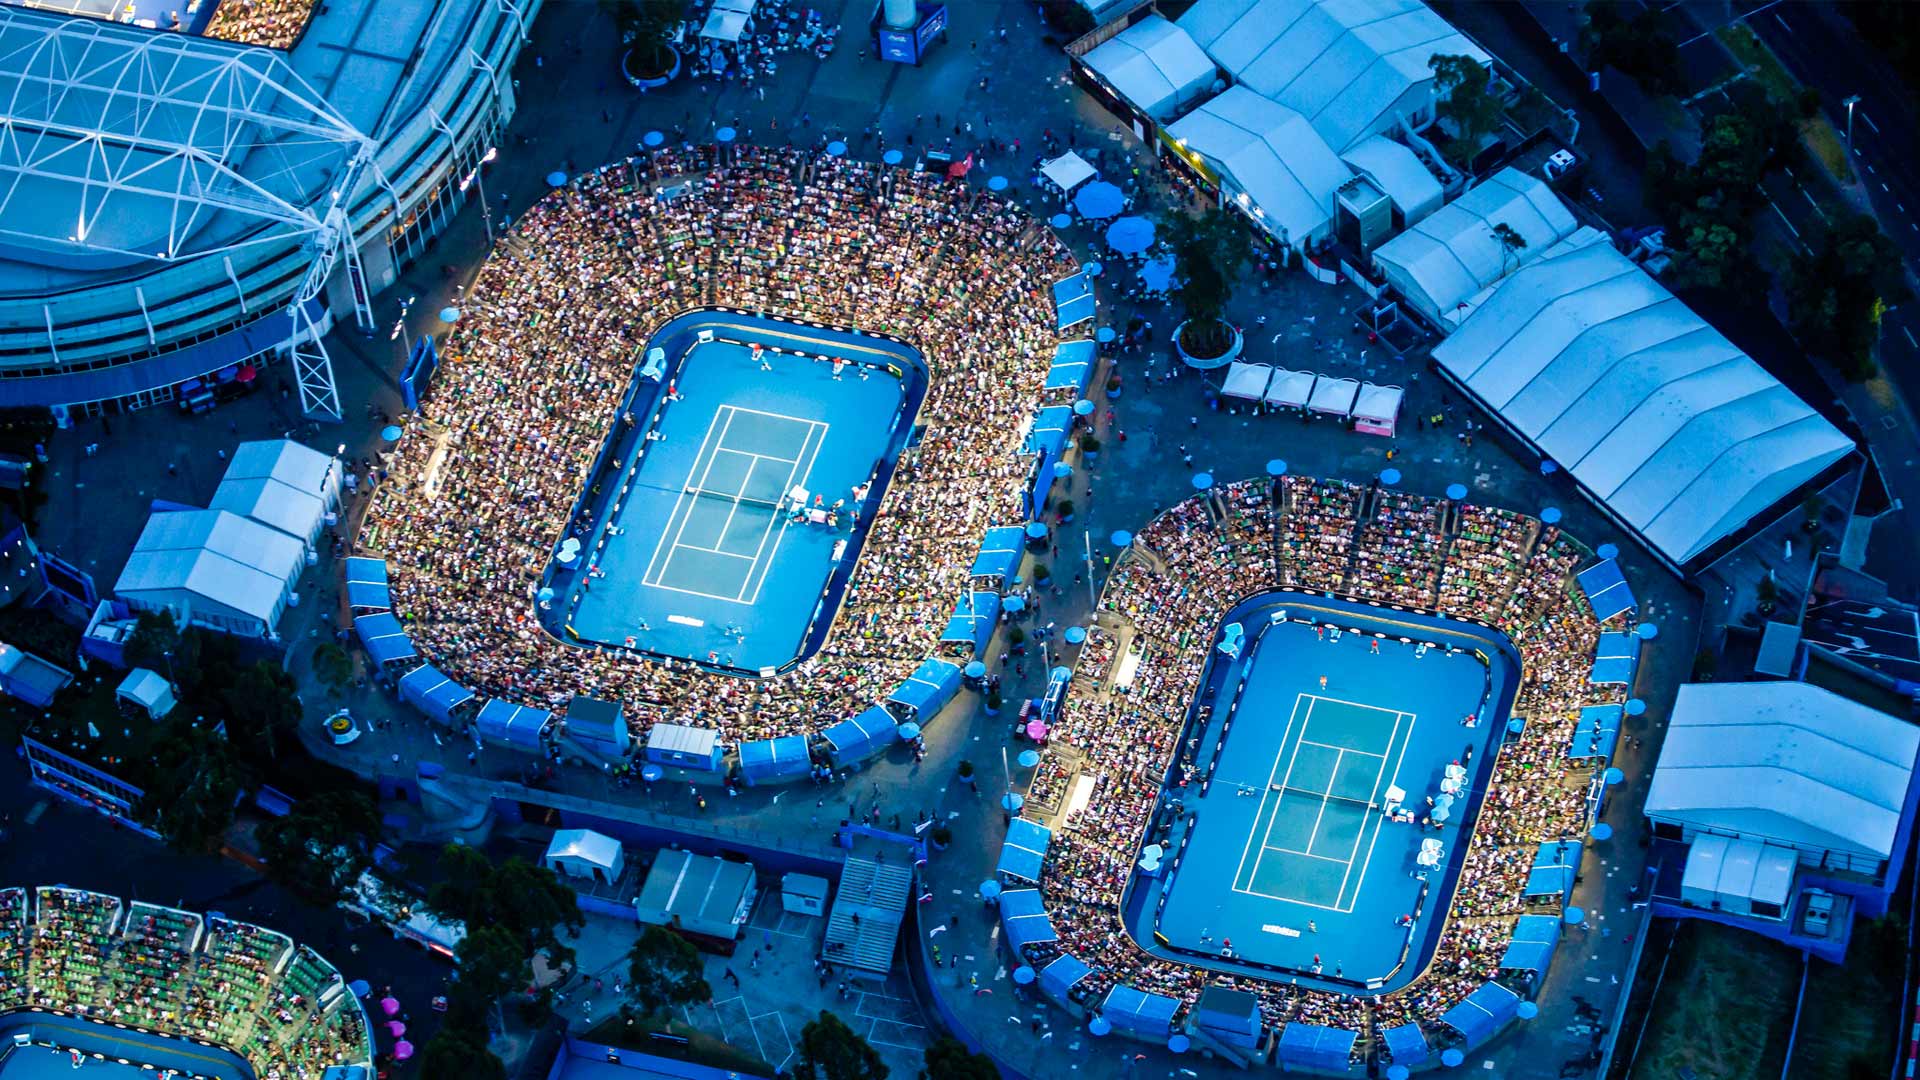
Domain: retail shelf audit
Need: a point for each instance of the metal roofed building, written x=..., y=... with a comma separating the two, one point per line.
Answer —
x=163, y=196
x=1665, y=424
x=1353, y=68
x=1154, y=65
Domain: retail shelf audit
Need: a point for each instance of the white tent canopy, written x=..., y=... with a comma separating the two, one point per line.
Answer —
x=583, y=853
x=1154, y=65
x=1068, y=171
x=145, y=690
x=1447, y=258
x=1398, y=172
x=1334, y=396
x=299, y=467
x=1246, y=380
x=1271, y=161
x=1292, y=389
x=1381, y=403
x=1351, y=68
x=213, y=568
x=1788, y=763
x=1679, y=433
x=728, y=20
x=299, y=514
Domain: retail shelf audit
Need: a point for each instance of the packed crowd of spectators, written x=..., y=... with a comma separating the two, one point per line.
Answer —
x=1196, y=561
x=533, y=377
x=281, y=1007
x=270, y=24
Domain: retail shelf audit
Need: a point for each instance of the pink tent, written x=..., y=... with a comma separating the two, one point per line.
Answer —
x=389, y=1006
x=402, y=1050
x=396, y=1029
x=1036, y=730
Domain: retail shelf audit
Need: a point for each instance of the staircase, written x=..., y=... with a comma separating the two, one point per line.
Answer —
x=864, y=923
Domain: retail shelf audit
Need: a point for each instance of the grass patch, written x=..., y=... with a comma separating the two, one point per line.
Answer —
x=1848, y=1027
x=1816, y=133
x=1824, y=144
x=700, y=1048
x=1725, y=1008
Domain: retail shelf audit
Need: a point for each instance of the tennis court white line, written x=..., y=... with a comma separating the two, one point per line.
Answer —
x=650, y=577
x=1265, y=792
x=795, y=475
x=1381, y=820
x=1378, y=777
x=1339, y=755
x=1292, y=759
x=1305, y=854
x=1349, y=749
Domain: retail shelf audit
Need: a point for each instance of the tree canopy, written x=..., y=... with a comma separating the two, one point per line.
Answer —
x=1209, y=250
x=665, y=971
x=192, y=785
x=320, y=848
x=830, y=1050
x=529, y=901
x=1838, y=292
x=1632, y=40
x=949, y=1059
x=1706, y=205
x=1467, y=102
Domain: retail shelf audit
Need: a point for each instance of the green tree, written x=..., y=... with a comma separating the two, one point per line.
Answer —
x=320, y=848
x=1838, y=292
x=460, y=1052
x=493, y=963
x=949, y=1059
x=1467, y=102
x=1209, y=250
x=645, y=26
x=830, y=1050
x=262, y=707
x=332, y=666
x=1707, y=252
x=664, y=971
x=1633, y=41
x=1511, y=243
x=529, y=901
x=191, y=786
x=159, y=644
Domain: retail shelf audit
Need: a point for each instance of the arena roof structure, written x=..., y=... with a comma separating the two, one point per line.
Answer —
x=1281, y=172
x=1664, y=422
x=1351, y=67
x=1155, y=65
x=1785, y=762
x=1441, y=264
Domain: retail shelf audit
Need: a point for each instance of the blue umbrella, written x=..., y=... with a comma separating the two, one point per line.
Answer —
x=1130, y=235
x=1202, y=481
x=1613, y=776
x=1076, y=634
x=652, y=138
x=1608, y=550
x=1551, y=515
x=1548, y=468
x=1014, y=604
x=1093, y=268
x=975, y=669
x=1062, y=470
x=1516, y=725
x=1527, y=1010
x=1099, y=1025
x=650, y=773
x=1059, y=221
x=1276, y=467
x=724, y=135
x=1603, y=831
x=1389, y=477
x=1635, y=706
x=449, y=314
x=1441, y=813
x=1036, y=530
x=996, y=183
x=1456, y=492
x=360, y=988
x=544, y=595
x=909, y=731
x=1398, y=1072
x=1452, y=1057
x=989, y=889
x=1104, y=335
x=556, y=178
x=1083, y=407
x=1023, y=974
x=1061, y=672
x=1121, y=538
x=1573, y=916
x=1012, y=801
x=1179, y=1044
x=1647, y=631
x=1028, y=758
x=1157, y=274
x=1099, y=199
x=893, y=157
x=391, y=433
x=836, y=148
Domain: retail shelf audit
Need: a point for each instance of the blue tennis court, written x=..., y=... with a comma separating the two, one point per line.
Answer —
x=730, y=506
x=110, y=1052
x=1304, y=847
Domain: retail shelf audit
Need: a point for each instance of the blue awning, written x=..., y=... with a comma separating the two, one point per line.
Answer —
x=1024, y=915
x=973, y=620
x=367, y=584
x=852, y=740
x=1071, y=288
x=929, y=688
x=1310, y=1046
x=1063, y=975
x=999, y=556
x=1534, y=937
x=1048, y=436
x=1554, y=867
x=383, y=638
x=1606, y=589
x=1149, y=1015
x=1595, y=733
x=426, y=689
x=515, y=725
x=1072, y=363
x=1615, y=658
x=1024, y=850
x=775, y=759
x=1483, y=1014
x=1407, y=1044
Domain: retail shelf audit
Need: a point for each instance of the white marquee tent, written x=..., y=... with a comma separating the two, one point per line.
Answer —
x=1154, y=65
x=215, y=569
x=1290, y=389
x=1658, y=416
x=145, y=690
x=1443, y=261
x=1247, y=381
x=1788, y=764
x=1353, y=68
x=1068, y=171
x=1397, y=171
x=281, y=483
x=1334, y=396
x=1270, y=161
x=583, y=853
